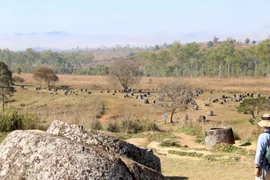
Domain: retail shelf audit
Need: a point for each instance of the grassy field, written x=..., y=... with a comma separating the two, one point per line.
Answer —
x=85, y=109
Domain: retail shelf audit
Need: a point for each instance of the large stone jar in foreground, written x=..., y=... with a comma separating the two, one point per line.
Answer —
x=219, y=135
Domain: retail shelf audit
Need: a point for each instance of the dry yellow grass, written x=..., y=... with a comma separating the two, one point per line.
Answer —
x=83, y=109
x=241, y=84
x=226, y=114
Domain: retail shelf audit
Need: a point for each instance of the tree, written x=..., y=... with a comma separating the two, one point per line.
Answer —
x=253, y=42
x=209, y=44
x=247, y=40
x=189, y=55
x=263, y=52
x=179, y=95
x=124, y=73
x=254, y=106
x=5, y=83
x=156, y=48
x=19, y=71
x=45, y=74
x=215, y=41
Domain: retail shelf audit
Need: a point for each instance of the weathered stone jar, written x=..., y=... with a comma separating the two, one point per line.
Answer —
x=219, y=135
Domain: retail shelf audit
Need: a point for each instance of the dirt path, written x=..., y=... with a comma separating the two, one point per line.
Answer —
x=188, y=145
x=104, y=118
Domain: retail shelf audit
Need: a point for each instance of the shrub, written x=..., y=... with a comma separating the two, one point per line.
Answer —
x=17, y=79
x=29, y=121
x=11, y=120
x=96, y=124
x=131, y=126
x=150, y=125
x=113, y=126
x=251, y=121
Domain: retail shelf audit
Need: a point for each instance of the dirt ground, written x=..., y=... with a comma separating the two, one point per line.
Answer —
x=177, y=167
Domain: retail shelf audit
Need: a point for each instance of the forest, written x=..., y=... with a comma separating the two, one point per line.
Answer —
x=214, y=59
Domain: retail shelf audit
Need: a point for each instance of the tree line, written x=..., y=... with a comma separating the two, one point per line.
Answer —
x=29, y=61
x=216, y=58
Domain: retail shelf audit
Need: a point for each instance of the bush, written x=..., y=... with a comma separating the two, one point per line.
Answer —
x=131, y=126
x=29, y=121
x=252, y=121
x=149, y=125
x=17, y=79
x=11, y=120
x=113, y=127
x=96, y=124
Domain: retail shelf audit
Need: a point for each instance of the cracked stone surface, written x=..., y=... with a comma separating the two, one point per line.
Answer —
x=73, y=152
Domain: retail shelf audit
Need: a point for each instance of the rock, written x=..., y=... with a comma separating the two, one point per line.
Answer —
x=105, y=142
x=60, y=153
x=210, y=113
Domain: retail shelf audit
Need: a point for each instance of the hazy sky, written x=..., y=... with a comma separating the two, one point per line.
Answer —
x=91, y=23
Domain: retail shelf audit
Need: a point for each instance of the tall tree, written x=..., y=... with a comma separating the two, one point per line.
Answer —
x=247, y=40
x=5, y=83
x=209, y=44
x=45, y=74
x=263, y=52
x=124, y=73
x=215, y=41
x=189, y=54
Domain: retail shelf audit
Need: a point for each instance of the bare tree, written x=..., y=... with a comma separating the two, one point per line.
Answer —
x=179, y=95
x=124, y=72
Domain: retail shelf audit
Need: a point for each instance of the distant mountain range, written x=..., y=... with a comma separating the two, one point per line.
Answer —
x=62, y=40
x=52, y=33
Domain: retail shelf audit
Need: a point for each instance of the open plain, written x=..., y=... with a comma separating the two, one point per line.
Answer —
x=190, y=159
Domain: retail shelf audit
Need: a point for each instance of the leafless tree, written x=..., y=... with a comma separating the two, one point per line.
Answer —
x=179, y=95
x=124, y=72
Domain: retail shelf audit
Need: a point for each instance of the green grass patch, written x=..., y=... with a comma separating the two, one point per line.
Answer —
x=160, y=136
x=229, y=148
x=170, y=143
x=193, y=130
x=184, y=153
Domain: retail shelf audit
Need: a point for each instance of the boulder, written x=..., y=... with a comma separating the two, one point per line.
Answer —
x=103, y=141
x=73, y=152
